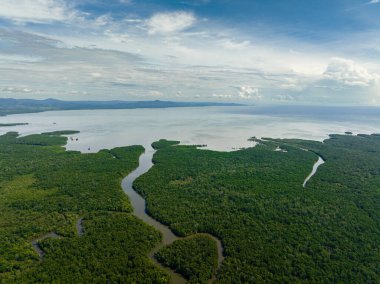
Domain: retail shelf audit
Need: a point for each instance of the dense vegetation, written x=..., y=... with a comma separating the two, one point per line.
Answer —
x=273, y=229
x=194, y=257
x=45, y=189
x=112, y=250
x=11, y=124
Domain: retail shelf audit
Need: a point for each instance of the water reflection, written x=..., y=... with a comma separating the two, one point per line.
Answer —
x=221, y=128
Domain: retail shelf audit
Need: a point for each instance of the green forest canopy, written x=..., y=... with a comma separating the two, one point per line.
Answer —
x=44, y=189
x=273, y=229
x=196, y=257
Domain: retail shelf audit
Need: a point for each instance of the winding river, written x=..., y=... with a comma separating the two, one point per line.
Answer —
x=138, y=203
x=314, y=170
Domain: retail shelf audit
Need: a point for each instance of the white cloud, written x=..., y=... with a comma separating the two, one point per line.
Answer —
x=132, y=20
x=35, y=11
x=18, y=58
x=170, y=22
x=96, y=75
x=221, y=96
x=155, y=94
x=374, y=2
x=283, y=98
x=116, y=37
x=245, y=92
x=230, y=44
x=17, y=90
x=103, y=20
x=293, y=83
x=248, y=92
x=348, y=73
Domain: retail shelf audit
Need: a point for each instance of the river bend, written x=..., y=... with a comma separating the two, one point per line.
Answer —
x=139, y=210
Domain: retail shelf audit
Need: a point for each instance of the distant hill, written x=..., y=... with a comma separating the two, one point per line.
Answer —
x=13, y=106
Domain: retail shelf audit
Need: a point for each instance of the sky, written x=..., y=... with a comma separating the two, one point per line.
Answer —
x=317, y=52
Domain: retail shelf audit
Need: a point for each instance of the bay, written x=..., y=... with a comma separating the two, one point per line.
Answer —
x=220, y=128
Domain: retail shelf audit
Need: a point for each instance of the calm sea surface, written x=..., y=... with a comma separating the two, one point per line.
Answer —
x=221, y=128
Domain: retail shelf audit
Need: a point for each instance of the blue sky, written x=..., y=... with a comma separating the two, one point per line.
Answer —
x=252, y=51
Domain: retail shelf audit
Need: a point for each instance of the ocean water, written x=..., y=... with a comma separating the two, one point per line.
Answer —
x=220, y=128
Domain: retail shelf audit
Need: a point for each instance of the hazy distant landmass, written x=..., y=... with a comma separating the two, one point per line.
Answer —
x=13, y=106
x=11, y=124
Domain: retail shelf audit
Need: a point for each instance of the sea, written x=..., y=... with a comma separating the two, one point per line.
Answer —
x=220, y=128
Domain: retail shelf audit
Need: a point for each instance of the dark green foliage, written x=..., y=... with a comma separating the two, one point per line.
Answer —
x=194, y=257
x=163, y=144
x=42, y=140
x=45, y=189
x=112, y=250
x=274, y=230
x=11, y=124
x=62, y=132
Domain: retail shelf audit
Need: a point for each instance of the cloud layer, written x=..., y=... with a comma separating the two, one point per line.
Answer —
x=122, y=50
x=170, y=22
x=348, y=73
x=35, y=11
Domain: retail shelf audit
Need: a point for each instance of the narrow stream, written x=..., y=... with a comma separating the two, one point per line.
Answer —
x=35, y=242
x=79, y=226
x=36, y=246
x=314, y=170
x=138, y=203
